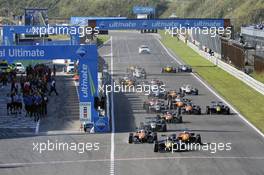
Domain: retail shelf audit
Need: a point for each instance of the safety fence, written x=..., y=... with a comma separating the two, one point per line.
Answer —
x=256, y=85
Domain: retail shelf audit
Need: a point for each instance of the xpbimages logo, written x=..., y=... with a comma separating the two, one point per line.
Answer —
x=80, y=147
x=211, y=31
x=63, y=30
x=146, y=89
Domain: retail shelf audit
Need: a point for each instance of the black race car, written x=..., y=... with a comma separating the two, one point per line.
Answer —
x=142, y=136
x=217, y=108
x=177, y=143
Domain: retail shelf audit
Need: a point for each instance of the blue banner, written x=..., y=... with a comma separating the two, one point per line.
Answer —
x=138, y=24
x=83, y=21
x=40, y=52
x=143, y=10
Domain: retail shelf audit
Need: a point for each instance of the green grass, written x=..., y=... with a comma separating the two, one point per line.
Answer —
x=258, y=76
x=249, y=102
x=102, y=38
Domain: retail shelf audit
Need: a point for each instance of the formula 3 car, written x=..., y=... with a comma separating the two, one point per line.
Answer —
x=188, y=89
x=217, y=108
x=184, y=68
x=168, y=69
x=190, y=108
x=172, y=94
x=155, y=125
x=127, y=81
x=176, y=143
x=171, y=117
x=154, y=105
x=142, y=136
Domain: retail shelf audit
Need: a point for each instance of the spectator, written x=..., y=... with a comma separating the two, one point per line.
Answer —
x=53, y=87
x=9, y=104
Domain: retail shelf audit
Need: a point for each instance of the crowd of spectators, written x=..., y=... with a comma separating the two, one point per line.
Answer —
x=29, y=93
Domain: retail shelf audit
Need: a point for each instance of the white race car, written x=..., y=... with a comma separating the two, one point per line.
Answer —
x=139, y=73
x=143, y=49
x=188, y=89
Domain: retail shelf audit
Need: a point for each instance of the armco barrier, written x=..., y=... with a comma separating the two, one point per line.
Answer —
x=258, y=86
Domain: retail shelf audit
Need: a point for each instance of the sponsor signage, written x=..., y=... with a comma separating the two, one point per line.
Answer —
x=143, y=10
x=137, y=24
x=85, y=112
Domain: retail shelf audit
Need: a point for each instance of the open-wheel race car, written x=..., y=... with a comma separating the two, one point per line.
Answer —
x=168, y=69
x=217, y=108
x=191, y=108
x=173, y=142
x=155, y=125
x=137, y=71
x=178, y=103
x=172, y=94
x=127, y=81
x=142, y=136
x=184, y=68
x=171, y=117
x=188, y=89
x=154, y=105
x=156, y=82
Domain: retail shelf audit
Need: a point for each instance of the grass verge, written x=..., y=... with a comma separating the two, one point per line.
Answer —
x=258, y=76
x=101, y=39
x=249, y=102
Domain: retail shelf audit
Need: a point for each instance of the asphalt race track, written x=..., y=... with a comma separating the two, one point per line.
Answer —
x=119, y=158
x=246, y=156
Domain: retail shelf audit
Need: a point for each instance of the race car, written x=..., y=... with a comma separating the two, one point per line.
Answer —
x=142, y=136
x=184, y=68
x=177, y=143
x=188, y=89
x=131, y=68
x=155, y=125
x=171, y=117
x=166, y=143
x=143, y=49
x=158, y=93
x=178, y=102
x=139, y=72
x=190, y=108
x=156, y=82
x=127, y=81
x=168, y=69
x=217, y=108
x=154, y=105
x=172, y=94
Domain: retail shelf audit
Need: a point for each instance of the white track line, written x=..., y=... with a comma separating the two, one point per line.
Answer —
x=37, y=127
x=214, y=92
x=112, y=154
x=128, y=159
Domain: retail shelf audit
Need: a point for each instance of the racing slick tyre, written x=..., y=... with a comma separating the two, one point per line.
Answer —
x=174, y=136
x=156, y=146
x=164, y=128
x=196, y=92
x=155, y=137
x=180, y=119
x=198, y=139
x=208, y=110
x=162, y=70
x=227, y=110
x=130, y=138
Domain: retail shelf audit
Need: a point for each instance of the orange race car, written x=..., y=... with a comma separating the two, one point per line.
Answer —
x=171, y=117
